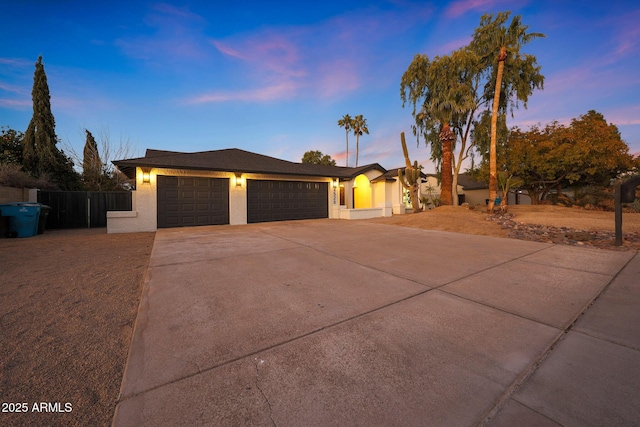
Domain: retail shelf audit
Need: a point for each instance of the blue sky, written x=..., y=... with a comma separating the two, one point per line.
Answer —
x=273, y=77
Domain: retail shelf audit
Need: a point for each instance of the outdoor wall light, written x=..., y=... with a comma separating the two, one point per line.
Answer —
x=238, y=179
x=334, y=183
x=146, y=175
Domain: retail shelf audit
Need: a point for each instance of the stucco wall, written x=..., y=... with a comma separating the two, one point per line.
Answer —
x=12, y=194
x=476, y=197
x=382, y=193
x=144, y=215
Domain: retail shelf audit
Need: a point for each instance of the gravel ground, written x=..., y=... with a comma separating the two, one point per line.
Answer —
x=68, y=301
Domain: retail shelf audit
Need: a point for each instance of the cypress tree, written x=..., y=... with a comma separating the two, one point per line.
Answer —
x=41, y=157
x=91, y=164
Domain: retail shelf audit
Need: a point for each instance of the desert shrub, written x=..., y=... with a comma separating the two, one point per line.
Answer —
x=12, y=175
x=595, y=198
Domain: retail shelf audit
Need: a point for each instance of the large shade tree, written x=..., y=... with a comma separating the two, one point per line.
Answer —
x=511, y=74
x=41, y=156
x=588, y=152
x=317, y=158
x=10, y=146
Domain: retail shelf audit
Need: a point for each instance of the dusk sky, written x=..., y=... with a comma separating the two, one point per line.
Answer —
x=274, y=77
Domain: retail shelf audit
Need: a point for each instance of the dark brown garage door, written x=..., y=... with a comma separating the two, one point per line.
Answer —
x=189, y=201
x=286, y=200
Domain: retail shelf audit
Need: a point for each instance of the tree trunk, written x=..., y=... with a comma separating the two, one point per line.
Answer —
x=357, y=148
x=446, y=181
x=454, y=186
x=534, y=196
x=493, y=172
x=347, y=162
x=415, y=201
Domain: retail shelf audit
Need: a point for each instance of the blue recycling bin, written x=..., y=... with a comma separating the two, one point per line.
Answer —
x=23, y=218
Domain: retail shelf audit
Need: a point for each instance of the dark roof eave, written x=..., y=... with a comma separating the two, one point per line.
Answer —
x=236, y=160
x=129, y=169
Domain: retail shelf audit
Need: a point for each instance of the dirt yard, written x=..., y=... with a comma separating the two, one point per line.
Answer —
x=69, y=298
x=68, y=301
x=544, y=223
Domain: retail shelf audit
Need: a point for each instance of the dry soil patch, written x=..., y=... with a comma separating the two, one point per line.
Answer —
x=68, y=301
x=549, y=221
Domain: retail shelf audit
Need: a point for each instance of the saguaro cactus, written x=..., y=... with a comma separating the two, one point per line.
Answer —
x=410, y=179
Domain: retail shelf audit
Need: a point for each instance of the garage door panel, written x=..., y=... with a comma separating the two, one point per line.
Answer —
x=190, y=201
x=286, y=200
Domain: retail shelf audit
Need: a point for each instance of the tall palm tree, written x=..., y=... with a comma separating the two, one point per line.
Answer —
x=447, y=136
x=490, y=38
x=346, y=122
x=444, y=100
x=359, y=127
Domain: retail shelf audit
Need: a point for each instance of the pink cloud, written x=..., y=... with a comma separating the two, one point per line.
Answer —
x=169, y=9
x=459, y=8
x=16, y=62
x=447, y=48
x=628, y=36
x=284, y=90
x=338, y=77
x=14, y=89
x=19, y=104
x=623, y=116
x=273, y=52
x=177, y=36
x=330, y=59
x=21, y=100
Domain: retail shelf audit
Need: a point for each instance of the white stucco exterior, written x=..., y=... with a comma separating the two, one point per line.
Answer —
x=144, y=215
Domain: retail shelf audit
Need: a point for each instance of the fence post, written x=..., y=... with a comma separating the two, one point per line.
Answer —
x=618, y=215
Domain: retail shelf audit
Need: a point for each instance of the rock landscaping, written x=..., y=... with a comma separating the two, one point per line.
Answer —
x=564, y=235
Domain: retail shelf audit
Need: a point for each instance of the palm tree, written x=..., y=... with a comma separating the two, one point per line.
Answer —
x=447, y=136
x=359, y=127
x=444, y=100
x=346, y=122
x=490, y=38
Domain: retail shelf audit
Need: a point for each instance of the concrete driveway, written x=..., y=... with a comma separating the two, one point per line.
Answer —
x=330, y=322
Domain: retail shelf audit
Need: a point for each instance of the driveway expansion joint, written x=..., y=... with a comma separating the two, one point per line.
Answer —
x=256, y=362
x=535, y=364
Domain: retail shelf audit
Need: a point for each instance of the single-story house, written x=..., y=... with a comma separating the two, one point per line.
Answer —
x=475, y=192
x=234, y=186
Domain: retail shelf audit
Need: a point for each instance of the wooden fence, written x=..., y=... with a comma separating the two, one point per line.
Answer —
x=83, y=209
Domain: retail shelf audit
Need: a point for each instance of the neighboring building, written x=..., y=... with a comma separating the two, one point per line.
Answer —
x=475, y=192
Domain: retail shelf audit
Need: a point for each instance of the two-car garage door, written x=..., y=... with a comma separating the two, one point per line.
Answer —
x=286, y=200
x=191, y=201
x=188, y=201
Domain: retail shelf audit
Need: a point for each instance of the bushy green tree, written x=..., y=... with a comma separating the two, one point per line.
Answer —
x=41, y=156
x=588, y=152
x=317, y=158
x=10, y=146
